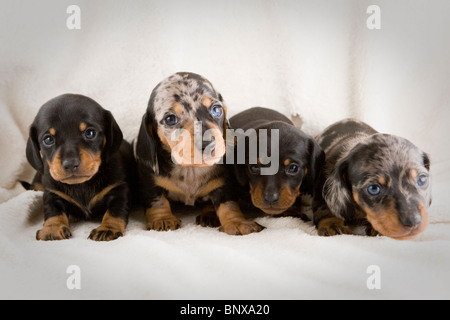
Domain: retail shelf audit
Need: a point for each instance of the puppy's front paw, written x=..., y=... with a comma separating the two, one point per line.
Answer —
x=233, y=221
x=208, y=218
x=111, y=228
x=159, y=216
x=332, y=227
x=103, y=233
x=241, y=227
x=55, y=228
x=53, y=233
x=165, y=223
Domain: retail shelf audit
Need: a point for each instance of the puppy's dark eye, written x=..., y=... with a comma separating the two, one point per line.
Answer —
x=292, y=170
x=254, y=169
x=171, y=120
x=90, y=133
x=217, y=111
x=422, y=180
x=374, y=189
x=49, y=140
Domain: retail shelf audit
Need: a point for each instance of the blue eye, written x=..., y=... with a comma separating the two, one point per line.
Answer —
x=171, y=120
x=90, y=133
x=374, y=189
x=49, y=140
x=254, y=169
x=217, y=111
x=422, y=180
x=292, y=169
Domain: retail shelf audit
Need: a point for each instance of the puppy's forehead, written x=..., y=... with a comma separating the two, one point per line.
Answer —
x=188, y=89
x=290, y=142
x=387, y=153
x=69, y=110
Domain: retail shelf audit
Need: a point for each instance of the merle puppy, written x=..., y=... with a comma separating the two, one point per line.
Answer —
x=179, y=150
x=373, y=183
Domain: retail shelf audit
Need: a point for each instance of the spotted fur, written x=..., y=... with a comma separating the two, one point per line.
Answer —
x=358, y=158
x=165, y=174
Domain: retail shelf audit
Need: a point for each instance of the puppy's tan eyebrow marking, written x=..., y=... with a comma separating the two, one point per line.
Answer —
x=381, y=180
x=207, y=102
x=413, y=173
x=178, y=108
x=83, y=126
x=52, y=131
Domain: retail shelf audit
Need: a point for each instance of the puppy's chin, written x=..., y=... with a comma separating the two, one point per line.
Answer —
x=74, y=179
x=389, y=226
x=206, y=160
x=208, y=163
x=212, y=159
x=273, y=211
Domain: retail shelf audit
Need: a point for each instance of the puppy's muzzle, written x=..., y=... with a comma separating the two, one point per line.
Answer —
x=73, y=166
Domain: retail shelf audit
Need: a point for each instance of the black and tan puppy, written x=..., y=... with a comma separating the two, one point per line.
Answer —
x=179, y=149
x=82, y=164
x=295, y=160
x=373, y=183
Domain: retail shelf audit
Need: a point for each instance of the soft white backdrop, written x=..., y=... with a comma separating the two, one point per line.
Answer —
x=316, y=59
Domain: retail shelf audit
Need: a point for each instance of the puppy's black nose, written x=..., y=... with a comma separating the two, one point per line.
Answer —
x=211, y=144
x=71, y=164
x=411, y=220
x=271, y=197
x=202, y=145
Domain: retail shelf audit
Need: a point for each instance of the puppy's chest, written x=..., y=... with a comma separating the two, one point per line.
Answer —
x=189, y=184
x=87, y=200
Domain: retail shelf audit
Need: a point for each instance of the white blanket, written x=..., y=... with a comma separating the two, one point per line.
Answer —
x=315, y=59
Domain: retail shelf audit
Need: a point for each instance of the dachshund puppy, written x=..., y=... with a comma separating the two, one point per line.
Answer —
x=297, y=159
x=179, y=151
x=82, y=166
x=372, y=183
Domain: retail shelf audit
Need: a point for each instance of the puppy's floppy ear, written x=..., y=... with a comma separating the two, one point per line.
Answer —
x=239, y=168
x=426, y=161
x=337, y=191
x=146, y=145
x=33, y=150
x=427, y=165
x=315, y=165
x=240, y=172
x=226, y=123
x=113, y=134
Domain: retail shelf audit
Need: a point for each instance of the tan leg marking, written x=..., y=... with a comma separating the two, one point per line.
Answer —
x=110, y=229
x=332, y=226
x=55, y=228
x=233, y=221
x=159, y=216
x=208, y=217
